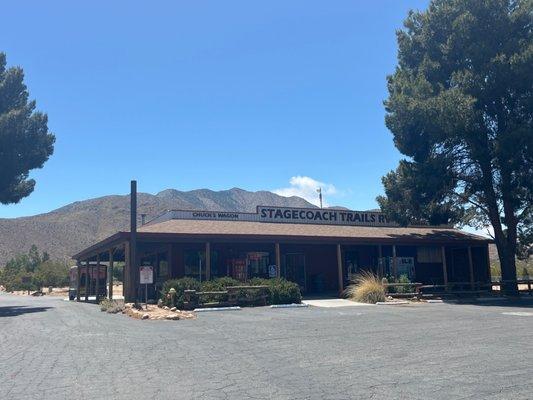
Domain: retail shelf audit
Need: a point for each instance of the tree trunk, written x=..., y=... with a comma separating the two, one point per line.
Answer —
x=506, y=254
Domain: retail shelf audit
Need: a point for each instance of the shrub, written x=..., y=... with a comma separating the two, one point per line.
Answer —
x=280, y=290
x=217, y=285
x=404, y=289
x=367, y=288
x=180, y=285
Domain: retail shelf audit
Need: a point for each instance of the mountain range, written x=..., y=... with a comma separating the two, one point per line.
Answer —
x=69, y=229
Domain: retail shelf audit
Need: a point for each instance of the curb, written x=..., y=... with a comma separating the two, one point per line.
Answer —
x=289, y=305
x=391, y=303
x=434, y=301
x=217, y=309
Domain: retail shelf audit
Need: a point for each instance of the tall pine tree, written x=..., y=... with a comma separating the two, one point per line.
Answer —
x=460, y=107
x=25, y=142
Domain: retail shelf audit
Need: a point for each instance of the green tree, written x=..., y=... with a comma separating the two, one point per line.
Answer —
x=52, y=273
x=25, y=142
x=34, y=265
x=460, y=107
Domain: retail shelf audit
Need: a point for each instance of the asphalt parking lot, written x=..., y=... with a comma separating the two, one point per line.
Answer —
x=52, y=349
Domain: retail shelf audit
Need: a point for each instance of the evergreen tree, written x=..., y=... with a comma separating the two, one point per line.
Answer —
x=460, y=107
x=25, y=142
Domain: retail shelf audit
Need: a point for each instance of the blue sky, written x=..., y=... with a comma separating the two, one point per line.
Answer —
x=215, y=94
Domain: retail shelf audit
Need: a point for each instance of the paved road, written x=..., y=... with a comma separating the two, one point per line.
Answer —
x=52, y=349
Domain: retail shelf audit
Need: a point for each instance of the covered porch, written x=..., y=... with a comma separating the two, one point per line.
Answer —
x=318, y=265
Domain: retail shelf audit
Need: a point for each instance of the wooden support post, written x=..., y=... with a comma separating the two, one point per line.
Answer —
x=97, y=281
x=471, y=267
x=126, y=272
x=207, y=261
x=87, y=280
x=394, y=262
x=339, y=266
x=444, y=268
x=78, y=279
x=169, y=261
x=488, y=264
x=110, y=275
x=380, y=261
x=278, y=261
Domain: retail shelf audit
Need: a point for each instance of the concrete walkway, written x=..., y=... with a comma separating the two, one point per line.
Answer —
x=330, y=303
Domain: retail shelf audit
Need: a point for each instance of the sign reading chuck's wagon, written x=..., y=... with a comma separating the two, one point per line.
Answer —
x=293, y=216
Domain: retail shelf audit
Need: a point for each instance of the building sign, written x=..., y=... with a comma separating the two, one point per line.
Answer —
x=272, y=271
x=289, y=215
x=322, y=216
x=146, y=275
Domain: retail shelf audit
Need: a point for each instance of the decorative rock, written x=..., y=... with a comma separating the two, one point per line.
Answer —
x=173, y=309
x=166, y=308
x=160, y=303
x=145, y=316
x=172, y=317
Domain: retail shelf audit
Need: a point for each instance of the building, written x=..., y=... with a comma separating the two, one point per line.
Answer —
x=320, y=249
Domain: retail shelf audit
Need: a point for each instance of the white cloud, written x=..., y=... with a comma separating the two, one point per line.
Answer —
x=306, y=187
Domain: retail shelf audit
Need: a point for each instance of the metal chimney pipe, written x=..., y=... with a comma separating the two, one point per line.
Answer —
x=134, y=268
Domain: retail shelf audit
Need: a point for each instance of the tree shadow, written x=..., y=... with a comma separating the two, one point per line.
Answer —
x=13, y=311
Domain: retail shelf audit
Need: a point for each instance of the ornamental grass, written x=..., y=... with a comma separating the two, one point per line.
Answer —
x=366, y=288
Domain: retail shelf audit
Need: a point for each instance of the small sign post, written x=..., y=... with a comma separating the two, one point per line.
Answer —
x=146, y=278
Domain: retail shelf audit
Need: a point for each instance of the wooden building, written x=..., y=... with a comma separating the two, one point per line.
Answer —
x=320, y=249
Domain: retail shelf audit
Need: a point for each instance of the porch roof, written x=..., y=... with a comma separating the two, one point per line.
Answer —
x=182, y=230
x=309, y=231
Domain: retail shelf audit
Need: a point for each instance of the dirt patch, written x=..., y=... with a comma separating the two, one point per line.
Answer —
x=154, y=312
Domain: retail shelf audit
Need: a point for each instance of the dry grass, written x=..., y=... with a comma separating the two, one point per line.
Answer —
x=367, y=288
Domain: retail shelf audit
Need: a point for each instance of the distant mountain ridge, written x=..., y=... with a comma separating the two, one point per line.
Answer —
x=69, y=229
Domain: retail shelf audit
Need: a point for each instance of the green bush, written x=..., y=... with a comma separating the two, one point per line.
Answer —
x=217, y=285
x=404, y=289
x=280, y=290
x=399, y=289
x=180, y=285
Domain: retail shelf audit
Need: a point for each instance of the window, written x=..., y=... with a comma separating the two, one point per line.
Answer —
x=258, y=263
x=195, y=264
x=428, y=255
x=162, y=268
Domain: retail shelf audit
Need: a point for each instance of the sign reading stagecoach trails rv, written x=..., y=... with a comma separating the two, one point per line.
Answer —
x=289, y=215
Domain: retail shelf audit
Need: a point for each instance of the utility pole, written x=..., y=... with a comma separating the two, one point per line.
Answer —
x=319, y=190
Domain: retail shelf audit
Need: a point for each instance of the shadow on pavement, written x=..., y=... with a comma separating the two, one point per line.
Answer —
x=523, y=302
x=13, y=311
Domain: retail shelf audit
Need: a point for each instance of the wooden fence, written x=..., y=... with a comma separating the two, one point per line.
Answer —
x=232, y=296
x=454, y=288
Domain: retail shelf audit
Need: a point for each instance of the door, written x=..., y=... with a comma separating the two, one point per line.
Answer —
x=294, y=269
